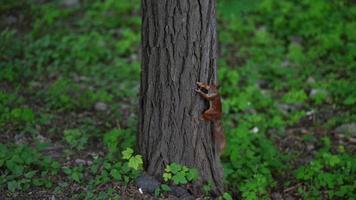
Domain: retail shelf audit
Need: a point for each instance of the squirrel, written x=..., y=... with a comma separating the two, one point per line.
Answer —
x=213, y=114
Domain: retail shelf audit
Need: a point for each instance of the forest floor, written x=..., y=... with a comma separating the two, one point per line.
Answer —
x=69, y=82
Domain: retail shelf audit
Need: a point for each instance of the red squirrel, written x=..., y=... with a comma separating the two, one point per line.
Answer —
x=213, y=114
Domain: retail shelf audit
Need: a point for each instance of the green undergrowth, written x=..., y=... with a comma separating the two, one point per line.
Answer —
x=282, y=61
x=23, y=167
x=330, y=172
x=70, y=76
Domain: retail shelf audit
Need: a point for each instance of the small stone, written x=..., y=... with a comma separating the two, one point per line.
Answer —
x=100, y=106
x=80, y=161
x=347, y=129
x=180, y=192
x=262, y=28
x=310, y=147
x=310, y=112
x=306, y=160
x=71, y=3
x=314, y=92
x=80, y=78
x=147, y=183
x=20, y=139
x=133, y=57
x=42, y=139
x=255, y=130
x=276, y=196
x=287, y=108
x=289, y=197
x=352, y=140
x=10, y=20
x=262, y=84
x=286, y=63
x=296, y=39
x=310, y=80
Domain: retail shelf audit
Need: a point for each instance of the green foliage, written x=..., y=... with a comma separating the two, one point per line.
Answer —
x=334, y=174
x=74, y=173
x=295, y=97
x=9, y=113
x=129, y=40
x=104, y=171
x=103, y=15
x=128, y=169
x=22, y=114
x=65, y=94
x=250, y=168
x=18, y=116
x=226, y=196
x=7, y=5
x=23, y=167
x=279, y=60
x=134, y=161
x=48, y=67
x=162, y=188
x=275, y=54
x=75, y=138
x=118, y=139
x=58, y=94
x=180, y=174
x=207, y=187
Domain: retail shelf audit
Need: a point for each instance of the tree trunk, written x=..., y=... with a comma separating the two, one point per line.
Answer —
x=178, y=49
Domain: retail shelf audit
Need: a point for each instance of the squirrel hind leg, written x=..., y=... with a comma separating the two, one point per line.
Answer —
x=211, y=115
x=203, y=118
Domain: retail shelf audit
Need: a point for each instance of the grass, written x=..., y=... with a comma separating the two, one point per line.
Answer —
x=69, y=79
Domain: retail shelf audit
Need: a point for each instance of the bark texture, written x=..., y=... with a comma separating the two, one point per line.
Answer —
x=178, y=49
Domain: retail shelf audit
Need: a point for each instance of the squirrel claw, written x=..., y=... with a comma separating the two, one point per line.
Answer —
x=201, y=118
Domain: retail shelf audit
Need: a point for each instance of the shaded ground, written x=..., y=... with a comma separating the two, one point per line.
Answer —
x=69, y=78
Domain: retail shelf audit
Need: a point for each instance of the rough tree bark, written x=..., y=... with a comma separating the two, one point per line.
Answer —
x=178, y=49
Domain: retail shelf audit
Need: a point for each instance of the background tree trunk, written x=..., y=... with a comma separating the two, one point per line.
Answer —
x=178, y=49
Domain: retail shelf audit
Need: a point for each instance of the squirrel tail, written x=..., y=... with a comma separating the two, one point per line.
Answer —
x=219, y=136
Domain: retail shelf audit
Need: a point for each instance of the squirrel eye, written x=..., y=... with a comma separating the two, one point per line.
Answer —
x=204, y=90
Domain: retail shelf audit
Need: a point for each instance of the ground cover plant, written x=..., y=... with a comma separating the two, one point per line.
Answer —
x=69, y=81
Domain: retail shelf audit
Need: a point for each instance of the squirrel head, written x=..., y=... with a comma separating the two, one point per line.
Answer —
x=206, y=88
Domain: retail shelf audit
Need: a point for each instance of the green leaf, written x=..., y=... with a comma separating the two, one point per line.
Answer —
x=207, y=187
x=157, y=192
x=227, y=196
x=48, y=183
x=76, y=176
x=168, y=168
x=135, y=162
x=167, y=176
x=14, y=167
x=192, y=175
x=30, y=174
x=179, y=178
x=116, y=174
x=295, y=97
x=111, y=139
x=38, y=181
x=165, y=188
x=175, y=168
x=185, y=169
x=55, y=165
x=13, y=185
x=67, y=170
x=126, y=154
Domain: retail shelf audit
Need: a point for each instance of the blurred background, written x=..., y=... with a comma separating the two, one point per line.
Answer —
x=69, y=80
